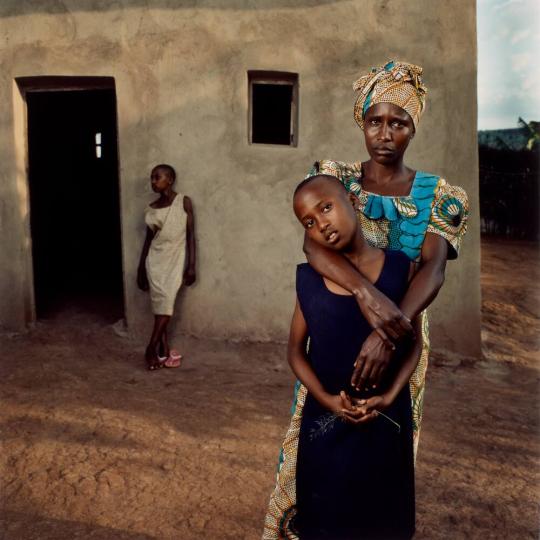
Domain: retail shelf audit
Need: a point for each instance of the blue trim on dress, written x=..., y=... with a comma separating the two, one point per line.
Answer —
x=408, y=215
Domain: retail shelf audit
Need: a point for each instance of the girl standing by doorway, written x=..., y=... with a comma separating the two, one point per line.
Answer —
x=167, y=260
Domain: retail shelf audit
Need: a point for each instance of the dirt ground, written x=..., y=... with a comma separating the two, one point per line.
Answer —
x=95, y=447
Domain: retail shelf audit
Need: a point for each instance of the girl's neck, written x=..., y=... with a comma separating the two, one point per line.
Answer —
x=359, y=251
x=167, y=196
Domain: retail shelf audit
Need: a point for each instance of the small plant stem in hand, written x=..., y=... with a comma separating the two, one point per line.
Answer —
x=388, y=418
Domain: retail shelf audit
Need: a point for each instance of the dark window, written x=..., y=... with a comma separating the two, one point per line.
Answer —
x=273, y=107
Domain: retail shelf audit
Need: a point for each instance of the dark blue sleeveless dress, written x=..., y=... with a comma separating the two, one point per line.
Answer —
x=352, y=482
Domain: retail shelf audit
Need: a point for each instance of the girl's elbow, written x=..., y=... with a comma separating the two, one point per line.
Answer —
x=293, y=354
x=291, y=360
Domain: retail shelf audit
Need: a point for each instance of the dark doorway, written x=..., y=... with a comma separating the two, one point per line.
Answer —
x=74, y=202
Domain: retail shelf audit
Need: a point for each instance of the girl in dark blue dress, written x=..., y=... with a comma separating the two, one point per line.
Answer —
x=355, y=470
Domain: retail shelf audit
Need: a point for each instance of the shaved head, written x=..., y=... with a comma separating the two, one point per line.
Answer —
x=327, y=178
x=169, y=169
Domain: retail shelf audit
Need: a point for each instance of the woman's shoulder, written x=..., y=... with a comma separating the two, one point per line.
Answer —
x=339, y=168
x=434, y=190
x=444, y=189
x=449, y=214
x=438, y=183
x=342, y=170
x=451, y=205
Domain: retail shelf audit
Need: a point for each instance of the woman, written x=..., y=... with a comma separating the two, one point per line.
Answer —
x=167, y=260
x=413, y=211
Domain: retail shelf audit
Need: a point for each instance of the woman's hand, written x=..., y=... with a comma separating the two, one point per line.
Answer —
x=382, y=314
x=371, y=363
x=142, y=279
x=189, y=277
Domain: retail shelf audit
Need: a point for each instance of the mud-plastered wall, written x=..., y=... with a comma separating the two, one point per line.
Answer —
x=180, y=71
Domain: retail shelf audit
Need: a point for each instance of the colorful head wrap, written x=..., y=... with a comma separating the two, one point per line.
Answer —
x=395, y=82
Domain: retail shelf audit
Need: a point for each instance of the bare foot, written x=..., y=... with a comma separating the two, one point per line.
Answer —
x=151, y=357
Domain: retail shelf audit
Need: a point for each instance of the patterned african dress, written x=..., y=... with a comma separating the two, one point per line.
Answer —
x=388, y=222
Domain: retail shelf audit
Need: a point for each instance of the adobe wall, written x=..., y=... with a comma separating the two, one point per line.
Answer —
x=181, y=83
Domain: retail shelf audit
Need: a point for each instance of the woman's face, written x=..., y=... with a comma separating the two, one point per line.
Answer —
x=327, y=213
x=160, y=180
x=388, y=130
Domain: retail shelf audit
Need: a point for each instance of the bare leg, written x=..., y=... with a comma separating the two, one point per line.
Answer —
x=151, y=355
x=164, y=349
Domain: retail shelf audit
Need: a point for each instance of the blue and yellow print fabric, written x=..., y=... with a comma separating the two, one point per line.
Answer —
x=406, y=217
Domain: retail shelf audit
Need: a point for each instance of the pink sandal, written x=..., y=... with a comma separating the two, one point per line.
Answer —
x=174, y=360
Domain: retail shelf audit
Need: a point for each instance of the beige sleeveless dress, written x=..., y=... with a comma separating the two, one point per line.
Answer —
x=166, y=257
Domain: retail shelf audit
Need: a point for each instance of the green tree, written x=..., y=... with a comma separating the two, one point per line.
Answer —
x=533, y=133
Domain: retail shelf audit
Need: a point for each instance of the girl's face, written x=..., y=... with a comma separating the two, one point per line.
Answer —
x=160, y=180
x=388, y=130
x=327, y=212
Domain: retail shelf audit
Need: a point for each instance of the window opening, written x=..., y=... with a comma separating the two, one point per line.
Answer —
x=273, y=107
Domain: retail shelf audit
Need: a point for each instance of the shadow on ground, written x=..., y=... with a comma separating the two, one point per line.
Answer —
x=94, y=446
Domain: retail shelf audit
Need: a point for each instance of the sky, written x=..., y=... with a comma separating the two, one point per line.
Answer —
x=508, y=62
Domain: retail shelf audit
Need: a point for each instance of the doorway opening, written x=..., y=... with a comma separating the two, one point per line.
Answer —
x=74, y=197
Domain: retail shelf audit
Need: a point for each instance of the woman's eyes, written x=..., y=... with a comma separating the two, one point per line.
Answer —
x=308, y=223
x=394, y=124
x=327, y=207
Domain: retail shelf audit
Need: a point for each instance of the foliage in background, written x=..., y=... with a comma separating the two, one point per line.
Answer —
x=532, y=129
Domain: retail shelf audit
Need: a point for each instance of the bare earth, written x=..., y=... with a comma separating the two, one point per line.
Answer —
x=96, y=447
